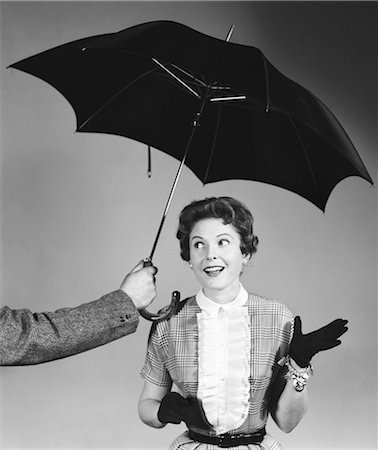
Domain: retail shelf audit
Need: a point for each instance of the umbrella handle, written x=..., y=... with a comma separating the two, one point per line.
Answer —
x=164, y=313
x=167, y=311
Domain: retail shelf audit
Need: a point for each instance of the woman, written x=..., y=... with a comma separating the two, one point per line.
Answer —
x=233, y=356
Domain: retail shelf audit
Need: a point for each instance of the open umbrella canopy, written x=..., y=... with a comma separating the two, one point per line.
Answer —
x=220, y=108
x=151, y=82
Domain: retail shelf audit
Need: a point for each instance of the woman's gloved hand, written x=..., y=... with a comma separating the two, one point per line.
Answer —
x=304, y=346
x=174, y=408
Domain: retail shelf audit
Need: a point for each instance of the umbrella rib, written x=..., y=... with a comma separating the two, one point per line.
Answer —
x=188, y=74
x=188, y=83
x=114, y=97
x=230, y=98
x=192, y=91
x=305, y=153
x=334, y=146
x=213, y=145
x=267, y=90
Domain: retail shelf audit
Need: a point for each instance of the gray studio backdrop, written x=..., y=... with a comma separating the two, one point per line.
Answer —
x=78, y=211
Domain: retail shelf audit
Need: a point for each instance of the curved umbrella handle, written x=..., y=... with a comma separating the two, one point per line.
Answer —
x=164, y=313
x=167, y=311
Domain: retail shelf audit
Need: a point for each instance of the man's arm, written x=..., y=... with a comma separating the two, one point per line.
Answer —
x=33, y=338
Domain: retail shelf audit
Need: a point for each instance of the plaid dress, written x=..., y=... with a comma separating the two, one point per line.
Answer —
x=172, y=357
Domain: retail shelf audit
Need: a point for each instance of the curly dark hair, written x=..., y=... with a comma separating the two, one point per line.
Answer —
x=228, y=209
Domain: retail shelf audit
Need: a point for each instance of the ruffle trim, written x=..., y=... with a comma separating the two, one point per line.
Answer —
x=224, y=366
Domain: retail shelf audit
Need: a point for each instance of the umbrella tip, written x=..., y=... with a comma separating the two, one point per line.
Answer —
x=229, y=34
x=149, y=168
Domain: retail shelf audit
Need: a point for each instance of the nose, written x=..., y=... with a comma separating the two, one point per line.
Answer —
x=211, y=253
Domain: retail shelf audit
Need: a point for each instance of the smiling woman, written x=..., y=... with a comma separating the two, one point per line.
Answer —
x=233, y=356
x=216, y=237
x=216, y=259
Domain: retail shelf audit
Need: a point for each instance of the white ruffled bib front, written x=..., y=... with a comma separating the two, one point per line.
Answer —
x=224, y=361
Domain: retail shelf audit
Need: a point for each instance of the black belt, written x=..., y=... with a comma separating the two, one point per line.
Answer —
x=229, y=440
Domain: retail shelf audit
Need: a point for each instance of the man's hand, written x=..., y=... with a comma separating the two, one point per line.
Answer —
x=304, y=346
x=139, y=285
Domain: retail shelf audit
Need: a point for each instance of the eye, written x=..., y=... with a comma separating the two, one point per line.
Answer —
x=223, y=242
x=198, y=245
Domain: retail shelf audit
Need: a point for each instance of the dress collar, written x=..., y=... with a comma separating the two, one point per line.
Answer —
x=210, y=306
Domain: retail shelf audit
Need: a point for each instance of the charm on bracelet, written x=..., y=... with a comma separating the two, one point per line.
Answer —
x=298, y=377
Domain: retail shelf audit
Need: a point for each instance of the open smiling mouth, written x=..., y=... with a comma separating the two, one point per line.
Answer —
x=213, y=270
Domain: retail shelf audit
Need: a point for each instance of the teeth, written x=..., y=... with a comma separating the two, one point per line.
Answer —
x=214, y=269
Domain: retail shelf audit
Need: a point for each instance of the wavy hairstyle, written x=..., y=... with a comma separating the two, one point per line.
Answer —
x=228, y=209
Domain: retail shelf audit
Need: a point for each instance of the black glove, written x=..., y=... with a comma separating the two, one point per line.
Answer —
x=174, y=408
x=304, y=346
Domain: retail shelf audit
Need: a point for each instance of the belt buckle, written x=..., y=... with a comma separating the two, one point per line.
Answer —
x=221, y=443
x=225, y=439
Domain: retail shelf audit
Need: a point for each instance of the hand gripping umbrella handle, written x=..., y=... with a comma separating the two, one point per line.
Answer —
x=167, y=311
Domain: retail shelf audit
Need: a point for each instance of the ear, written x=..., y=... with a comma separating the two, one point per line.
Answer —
x=246, y=258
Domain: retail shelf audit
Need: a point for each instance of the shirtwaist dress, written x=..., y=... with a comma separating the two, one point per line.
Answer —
x=226, y=355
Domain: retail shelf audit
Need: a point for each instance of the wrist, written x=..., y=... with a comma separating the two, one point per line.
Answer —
x=295, y=365
x=297, y=374
x=299, y=360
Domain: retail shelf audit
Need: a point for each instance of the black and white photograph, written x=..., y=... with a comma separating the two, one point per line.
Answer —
x=188, y=225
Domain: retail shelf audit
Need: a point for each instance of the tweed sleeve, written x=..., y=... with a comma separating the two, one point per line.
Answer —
x=33, y=338
x=154, y=369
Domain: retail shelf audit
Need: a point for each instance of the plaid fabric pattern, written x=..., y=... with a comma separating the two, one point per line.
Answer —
x=172, y=353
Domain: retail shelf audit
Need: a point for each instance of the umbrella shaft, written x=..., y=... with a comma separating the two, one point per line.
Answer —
x=182, y=163
x=173, y=189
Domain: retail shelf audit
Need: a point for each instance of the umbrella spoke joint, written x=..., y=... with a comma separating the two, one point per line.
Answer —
x=213, y=91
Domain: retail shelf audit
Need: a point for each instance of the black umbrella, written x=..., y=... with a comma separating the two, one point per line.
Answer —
x=220, y=108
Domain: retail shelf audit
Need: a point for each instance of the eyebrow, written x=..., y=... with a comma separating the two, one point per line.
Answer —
x=219, y=235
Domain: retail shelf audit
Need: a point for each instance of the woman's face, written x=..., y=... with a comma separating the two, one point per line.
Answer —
x=216, y=258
